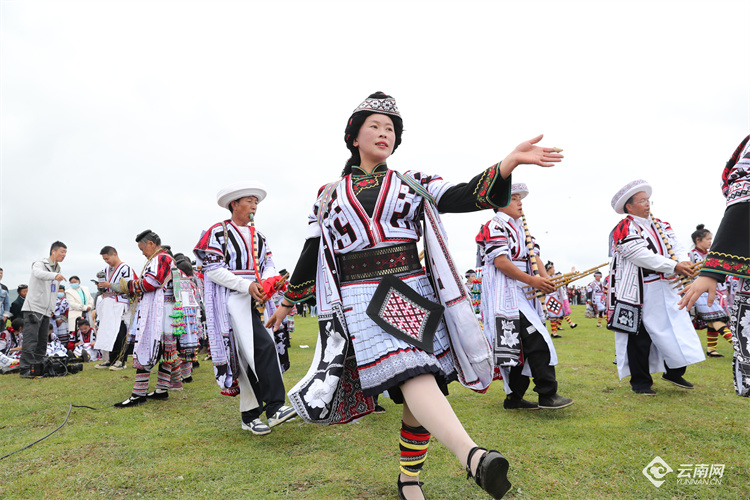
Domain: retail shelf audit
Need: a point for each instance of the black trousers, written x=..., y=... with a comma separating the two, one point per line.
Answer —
x=119, y=350
x=536, y=354
x=267, y=384
x=639, y=346
x=35, y=333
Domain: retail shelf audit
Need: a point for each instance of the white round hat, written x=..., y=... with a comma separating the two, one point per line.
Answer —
x=227, y=195
x=628, y=190
x=519, y=188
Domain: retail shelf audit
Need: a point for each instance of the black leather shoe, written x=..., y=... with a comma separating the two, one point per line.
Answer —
x=492, y=472
x=554, y=402
x=131, y=401
x=679, y=382
x=519, y=404
x=158, y=395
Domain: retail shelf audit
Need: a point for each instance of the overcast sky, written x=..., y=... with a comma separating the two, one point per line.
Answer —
x=122, y=116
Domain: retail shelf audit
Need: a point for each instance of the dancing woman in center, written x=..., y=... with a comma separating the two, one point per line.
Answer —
x=379, y=313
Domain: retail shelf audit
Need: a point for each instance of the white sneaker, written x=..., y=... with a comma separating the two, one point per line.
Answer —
x=282, y=415
x=117, y=366
x=257, y=427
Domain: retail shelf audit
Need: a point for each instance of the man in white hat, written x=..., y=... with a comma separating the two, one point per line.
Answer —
x=514, y=324
x=239, y=275
x=651, y=334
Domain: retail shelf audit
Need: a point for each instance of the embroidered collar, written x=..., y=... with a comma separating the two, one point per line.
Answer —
x=358, y=172
x=361, y=180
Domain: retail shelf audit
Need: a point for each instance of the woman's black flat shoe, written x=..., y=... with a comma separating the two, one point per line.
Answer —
x=401, y=487
x=492, y=472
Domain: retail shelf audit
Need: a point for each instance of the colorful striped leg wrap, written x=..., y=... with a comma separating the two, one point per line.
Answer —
x=175, y=372
x=140, y=387
x=725, y=332
x=712, y=338
x=555, y=324
x=570, y=322
x=164, y=375
x=187, y=369
x=413, y=445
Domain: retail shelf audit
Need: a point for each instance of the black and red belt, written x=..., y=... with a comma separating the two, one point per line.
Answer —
x=378, y=262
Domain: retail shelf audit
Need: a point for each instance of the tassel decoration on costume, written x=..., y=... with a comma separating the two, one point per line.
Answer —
x=178, y=320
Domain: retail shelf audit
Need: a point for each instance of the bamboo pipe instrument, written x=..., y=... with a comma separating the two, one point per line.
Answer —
x=557, y=281
x=664, y=240
x=565, y=276
x=663, y=237
x=532, y=252
x=680, y=281
x=578, y=275
x=695, y=267
x=683, y=280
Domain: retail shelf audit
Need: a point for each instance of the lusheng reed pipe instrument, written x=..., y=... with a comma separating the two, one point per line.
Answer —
x=564, y=281
x=680, y=281
x=562, y=277
x=532, y=252
x=663, y=237
x=256, y=265
x=556, y=281
x=683, y=280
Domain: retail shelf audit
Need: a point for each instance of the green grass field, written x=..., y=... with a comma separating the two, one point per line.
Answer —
x=191, y=446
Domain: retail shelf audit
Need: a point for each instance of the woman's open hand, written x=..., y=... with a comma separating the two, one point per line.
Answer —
x=528, y=153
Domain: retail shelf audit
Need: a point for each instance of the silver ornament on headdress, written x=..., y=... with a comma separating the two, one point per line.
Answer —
x=385, y=106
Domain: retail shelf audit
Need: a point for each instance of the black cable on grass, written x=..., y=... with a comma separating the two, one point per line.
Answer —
x=60, y=427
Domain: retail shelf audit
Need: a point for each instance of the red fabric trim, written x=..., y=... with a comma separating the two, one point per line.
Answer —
x=364, y=218
x=163, y=271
